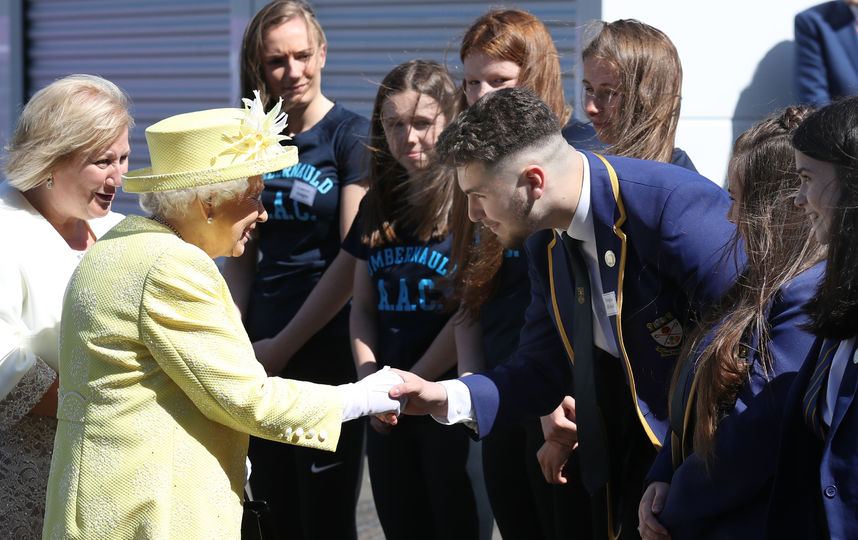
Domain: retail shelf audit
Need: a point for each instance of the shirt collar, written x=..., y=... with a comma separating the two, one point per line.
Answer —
x=581, y=227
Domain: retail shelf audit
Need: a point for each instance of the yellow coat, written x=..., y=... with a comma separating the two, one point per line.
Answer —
x=159, y=389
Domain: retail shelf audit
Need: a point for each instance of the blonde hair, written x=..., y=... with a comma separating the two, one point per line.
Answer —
x=73, y=116
x=270, y=16
x=175, y=203
x=650, y=87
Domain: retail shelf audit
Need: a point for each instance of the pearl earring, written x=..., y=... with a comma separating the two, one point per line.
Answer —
x=209, y=220
x=50, y=182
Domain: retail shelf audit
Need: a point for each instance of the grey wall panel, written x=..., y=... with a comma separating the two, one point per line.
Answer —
x=366, y=39
x=174, y=56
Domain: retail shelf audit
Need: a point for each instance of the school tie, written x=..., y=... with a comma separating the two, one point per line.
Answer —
x=815, y=392
x=592, y=445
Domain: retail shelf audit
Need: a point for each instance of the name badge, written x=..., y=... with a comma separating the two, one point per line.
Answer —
x=303, y=193
x=610, y=301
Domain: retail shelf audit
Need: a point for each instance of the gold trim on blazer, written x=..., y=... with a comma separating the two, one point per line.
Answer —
x=560, y=328
x=615, y=187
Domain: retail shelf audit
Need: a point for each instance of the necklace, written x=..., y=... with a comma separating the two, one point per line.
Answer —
x=166, y=223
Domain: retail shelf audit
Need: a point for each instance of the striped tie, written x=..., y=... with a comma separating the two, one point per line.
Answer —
x=815, y=392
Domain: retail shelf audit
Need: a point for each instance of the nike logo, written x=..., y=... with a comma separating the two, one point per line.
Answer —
x=316, y=469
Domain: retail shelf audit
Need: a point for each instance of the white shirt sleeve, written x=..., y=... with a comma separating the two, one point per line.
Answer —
x=460, y=409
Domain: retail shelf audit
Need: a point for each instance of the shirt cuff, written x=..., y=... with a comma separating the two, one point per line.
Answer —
x=460, y=409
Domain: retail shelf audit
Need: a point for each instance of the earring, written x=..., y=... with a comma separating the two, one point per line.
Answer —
x=209, y=220
x=50, y=183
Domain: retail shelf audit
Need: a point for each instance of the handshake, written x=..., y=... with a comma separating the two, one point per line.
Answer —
x=370, y=396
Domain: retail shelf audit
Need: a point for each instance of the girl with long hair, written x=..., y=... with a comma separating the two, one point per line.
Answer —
x=814, y=493
x=632, y=82
x=713, y=475
x=402, y=240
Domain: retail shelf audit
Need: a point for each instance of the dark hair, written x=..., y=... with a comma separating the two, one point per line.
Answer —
x=427, y=193
x=777, y=239
x=521, y=38
x=831, y=135
x=271, y=15
x=499, y=125
x=650, y=87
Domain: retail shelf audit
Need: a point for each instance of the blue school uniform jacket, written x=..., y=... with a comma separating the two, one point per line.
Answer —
x=812, y=475
x=729, y=498
x=661, y=233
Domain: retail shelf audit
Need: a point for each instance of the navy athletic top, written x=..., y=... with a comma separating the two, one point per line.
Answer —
x=407, y=277
x=301, y=236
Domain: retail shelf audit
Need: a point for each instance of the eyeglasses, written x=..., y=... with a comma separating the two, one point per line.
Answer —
x=601, y=97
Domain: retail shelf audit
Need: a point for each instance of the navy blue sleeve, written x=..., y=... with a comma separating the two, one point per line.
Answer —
x=535, y=381
x=351, y=151
x=811, y=78
x=735, y=486
x=681, y=159
x=662, y=468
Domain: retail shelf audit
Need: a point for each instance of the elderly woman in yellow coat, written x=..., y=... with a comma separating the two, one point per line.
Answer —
x=159, y=386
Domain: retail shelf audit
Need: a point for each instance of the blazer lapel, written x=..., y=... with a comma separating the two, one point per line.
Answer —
x=562, y=293
x=846, y=393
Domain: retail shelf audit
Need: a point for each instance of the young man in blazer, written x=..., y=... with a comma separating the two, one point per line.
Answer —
x=652, y=237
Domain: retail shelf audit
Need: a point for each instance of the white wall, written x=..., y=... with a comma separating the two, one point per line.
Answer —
x=737, y=65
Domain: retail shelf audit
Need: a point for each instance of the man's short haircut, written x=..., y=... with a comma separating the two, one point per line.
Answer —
x=499, y=125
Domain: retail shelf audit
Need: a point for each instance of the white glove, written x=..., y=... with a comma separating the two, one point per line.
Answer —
x=369, y=396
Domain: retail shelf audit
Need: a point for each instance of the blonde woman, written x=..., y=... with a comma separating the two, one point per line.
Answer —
x=64, y=164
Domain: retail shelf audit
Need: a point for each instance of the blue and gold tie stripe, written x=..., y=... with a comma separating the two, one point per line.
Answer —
x=814, y=394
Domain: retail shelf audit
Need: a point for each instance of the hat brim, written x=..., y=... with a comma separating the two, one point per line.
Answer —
x=143, y=181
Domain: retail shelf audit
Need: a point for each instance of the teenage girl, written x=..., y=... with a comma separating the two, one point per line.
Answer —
x=712, y=477
x=815, y=493
x=402, y=241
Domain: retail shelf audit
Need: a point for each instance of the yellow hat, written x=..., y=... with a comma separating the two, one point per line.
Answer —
x=211, y=146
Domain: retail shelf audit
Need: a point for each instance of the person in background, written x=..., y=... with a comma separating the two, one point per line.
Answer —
x=632, y=81
x=712, y=478
x=311, y=205
x=64, y=163
x=402, y=240
x=159, y=385
x=826, y=48
x=505, y=48
x=815, y=491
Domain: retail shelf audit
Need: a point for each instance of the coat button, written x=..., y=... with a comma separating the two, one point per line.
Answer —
x=288, y=432
x=323, y=435
x=830, y=492
x=299, y=432
x=311, y=433
x=610, y=258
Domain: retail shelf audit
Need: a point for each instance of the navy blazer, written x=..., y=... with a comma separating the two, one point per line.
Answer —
x=811, y=474
x=729, y=499
x=826, y=54
x=660, y=233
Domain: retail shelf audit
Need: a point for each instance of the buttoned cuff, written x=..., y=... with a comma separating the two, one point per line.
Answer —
x=460, y=409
